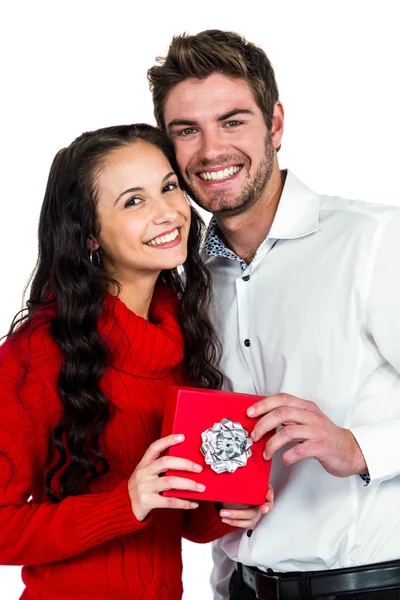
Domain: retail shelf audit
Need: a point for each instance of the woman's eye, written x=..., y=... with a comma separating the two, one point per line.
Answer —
x=133, y=202
x=171, y=185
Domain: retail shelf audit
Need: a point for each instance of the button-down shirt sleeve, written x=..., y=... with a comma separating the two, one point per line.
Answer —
x=379, y=441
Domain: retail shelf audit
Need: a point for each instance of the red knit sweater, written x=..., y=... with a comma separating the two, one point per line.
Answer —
x=92, y=546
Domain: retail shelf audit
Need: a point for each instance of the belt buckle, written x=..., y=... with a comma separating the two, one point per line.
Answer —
x=268, y=586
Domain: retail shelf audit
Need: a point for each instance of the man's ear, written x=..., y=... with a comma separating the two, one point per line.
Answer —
x=277, y=125
x=92, y=244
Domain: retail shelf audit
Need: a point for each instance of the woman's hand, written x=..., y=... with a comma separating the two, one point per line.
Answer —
x=145, y=485
x=246, y=516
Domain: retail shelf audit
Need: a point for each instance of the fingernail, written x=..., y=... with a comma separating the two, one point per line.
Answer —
x=179, y=437
x=201, y=487
x=253, y=436
x=265, y=457
x=251, y=411
x=225, y=513
x=227, y=521
x=194, y=505
x=197, y=468
x=265, y=510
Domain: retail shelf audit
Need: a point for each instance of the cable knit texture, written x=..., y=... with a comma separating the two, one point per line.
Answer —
x=91, y=546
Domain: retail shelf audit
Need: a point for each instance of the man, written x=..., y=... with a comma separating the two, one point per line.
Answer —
x=307, y=296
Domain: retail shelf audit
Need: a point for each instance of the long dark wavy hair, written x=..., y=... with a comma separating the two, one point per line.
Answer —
x=64, y=275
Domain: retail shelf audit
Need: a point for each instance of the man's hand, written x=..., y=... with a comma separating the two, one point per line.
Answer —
x=314, y=435
x=245, y=517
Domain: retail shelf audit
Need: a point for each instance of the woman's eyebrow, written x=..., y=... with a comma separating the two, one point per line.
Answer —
x=141, y=189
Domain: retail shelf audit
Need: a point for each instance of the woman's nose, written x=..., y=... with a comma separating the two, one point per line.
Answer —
x=164, y=211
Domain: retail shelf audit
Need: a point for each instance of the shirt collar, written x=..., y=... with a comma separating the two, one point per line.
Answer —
x=215, y=246
x=297, y=216
x=298, y=211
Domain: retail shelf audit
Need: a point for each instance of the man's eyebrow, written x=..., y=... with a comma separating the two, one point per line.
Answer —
x=141, y=189
x=180, y=122
x=228, y=115
x=234, y=112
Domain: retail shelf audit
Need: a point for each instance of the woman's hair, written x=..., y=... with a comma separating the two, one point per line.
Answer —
x=65, y=276
x=214, y=51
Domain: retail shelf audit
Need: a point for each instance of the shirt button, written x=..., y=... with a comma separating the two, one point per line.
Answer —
x=247, y=343
x=246, y=277
x=249, y=533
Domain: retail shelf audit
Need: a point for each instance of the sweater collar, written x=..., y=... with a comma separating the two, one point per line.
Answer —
x=140, y=347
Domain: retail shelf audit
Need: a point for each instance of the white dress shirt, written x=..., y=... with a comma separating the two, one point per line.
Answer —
x=321, y=309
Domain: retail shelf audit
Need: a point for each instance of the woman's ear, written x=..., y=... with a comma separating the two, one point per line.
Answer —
x=92, y=244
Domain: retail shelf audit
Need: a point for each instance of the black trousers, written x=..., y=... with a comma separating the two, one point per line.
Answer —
x=240, y=591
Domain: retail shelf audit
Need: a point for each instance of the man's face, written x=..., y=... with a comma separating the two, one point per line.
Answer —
x=223, y=147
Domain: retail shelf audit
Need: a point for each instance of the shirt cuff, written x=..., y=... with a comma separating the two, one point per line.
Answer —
x=379, y=445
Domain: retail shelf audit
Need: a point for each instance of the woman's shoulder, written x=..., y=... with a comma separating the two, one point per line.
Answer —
x=29, y=367
x=31, y=343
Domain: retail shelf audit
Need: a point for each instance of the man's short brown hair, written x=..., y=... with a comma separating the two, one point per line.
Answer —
x=208, y=52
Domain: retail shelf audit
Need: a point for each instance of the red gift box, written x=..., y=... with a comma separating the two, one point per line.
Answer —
x=192, y=411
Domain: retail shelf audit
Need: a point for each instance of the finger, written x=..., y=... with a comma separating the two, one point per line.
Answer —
x=177, y=503
x=266, y=507
x=286, y=435
x=173, y=463
x=241, y=524
x=269, y=497
x=306, y=450
x=269, y=403
x=284, y=415
x=159, y=446
x=178, y=483
x=241, y=515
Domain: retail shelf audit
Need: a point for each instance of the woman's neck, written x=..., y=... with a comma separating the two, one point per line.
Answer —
x=137, y=294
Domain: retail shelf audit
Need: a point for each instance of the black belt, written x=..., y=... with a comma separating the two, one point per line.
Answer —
x=318, y=584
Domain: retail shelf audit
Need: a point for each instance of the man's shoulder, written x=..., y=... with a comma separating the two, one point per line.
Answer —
x=354, y=210
x=358, y=210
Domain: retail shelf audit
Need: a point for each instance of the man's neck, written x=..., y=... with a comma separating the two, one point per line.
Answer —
x=244, y=233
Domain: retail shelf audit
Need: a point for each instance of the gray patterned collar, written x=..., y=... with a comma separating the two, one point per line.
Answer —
x=214, y=245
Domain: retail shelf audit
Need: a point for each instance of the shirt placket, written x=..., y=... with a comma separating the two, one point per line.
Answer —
x=247, y=307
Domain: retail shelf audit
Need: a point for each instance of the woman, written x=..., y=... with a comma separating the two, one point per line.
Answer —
x=84, y=377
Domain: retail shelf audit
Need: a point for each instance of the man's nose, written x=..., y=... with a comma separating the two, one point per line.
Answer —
x=212, y=145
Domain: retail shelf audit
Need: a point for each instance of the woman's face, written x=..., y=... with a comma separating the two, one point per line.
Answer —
x=143, y=214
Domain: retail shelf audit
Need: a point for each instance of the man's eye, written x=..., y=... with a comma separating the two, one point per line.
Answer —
x=134, y=201
x=186, y=131
x=232, y=123
x=171, y=185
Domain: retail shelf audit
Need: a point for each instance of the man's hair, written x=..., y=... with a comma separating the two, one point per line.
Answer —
x=208, y=52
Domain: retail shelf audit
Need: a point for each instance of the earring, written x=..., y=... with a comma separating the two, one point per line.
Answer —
x=97, y=261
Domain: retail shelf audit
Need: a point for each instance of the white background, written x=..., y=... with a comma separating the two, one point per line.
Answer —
x=78, y=65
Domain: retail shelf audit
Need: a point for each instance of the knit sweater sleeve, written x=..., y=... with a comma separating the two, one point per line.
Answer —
x=39, y=533
x=204, y=524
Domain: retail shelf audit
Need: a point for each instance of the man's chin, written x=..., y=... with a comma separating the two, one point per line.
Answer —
x=231, y=210
x=219, y=206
